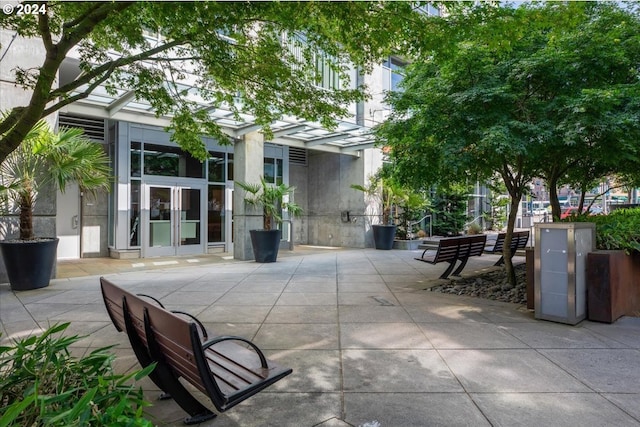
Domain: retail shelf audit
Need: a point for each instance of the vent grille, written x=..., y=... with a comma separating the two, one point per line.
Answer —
x=93, y=128
x=298, y=156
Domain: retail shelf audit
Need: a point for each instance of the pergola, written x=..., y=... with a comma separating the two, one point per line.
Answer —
x=347, y=137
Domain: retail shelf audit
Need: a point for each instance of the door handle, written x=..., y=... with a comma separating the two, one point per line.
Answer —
x=74, y=222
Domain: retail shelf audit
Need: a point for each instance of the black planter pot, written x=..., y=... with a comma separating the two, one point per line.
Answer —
x=29, y=263
x=383, y=236
x=265, y=244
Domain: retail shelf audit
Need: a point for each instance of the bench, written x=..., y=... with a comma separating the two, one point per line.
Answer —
x=519, y=241
x=227, y=369
x=454, y=249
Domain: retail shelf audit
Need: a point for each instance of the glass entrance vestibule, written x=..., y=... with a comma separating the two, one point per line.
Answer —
x=168, y=203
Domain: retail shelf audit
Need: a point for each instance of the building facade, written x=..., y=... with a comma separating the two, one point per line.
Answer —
x=164, y=202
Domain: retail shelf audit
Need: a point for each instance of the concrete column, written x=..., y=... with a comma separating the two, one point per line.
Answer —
x=248, y=166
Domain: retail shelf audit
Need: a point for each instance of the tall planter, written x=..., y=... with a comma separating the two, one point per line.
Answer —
x=613, y=285
x=383, y=236
x=265, y=244
x=29, y=264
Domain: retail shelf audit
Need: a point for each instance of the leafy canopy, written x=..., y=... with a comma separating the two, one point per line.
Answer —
x=264, y=54
x=513, y=92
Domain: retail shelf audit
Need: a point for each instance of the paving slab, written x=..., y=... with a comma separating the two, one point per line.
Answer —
x=370, y=345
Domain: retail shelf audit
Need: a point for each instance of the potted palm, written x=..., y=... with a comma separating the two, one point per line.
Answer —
x=388, y=195
x=273, y=200
x=44, y=162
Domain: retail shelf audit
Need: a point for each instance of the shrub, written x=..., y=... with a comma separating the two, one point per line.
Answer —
x=474, y=228
x=620, y=230
x=41, y=384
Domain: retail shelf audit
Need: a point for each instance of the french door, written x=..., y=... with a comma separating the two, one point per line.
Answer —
x=174, y=219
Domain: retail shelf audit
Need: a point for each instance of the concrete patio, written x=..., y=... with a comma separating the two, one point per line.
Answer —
x=369, y=346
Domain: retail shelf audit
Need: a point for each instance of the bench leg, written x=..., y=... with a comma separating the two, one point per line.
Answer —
x=192, y=406
x=162, y=375
x=460, y=267
x=199, y=418
x=449, y=269
x=500, y=261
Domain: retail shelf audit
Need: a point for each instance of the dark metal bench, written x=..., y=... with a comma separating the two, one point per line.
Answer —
x=227, y=369
x=455, y=249
x=519, y=241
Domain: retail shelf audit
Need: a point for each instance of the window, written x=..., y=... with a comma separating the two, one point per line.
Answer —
x=327, y=75
x=215, y=214
x=134, y=211
x=216, y=166
x=136, y=159
x=393, y=73
x=171, y=161
x=230, y=167
x=273, y=171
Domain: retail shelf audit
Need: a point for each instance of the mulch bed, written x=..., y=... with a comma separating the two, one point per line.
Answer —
x=492, y=285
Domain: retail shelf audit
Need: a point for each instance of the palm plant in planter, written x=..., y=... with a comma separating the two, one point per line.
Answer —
x=272, y=199
x=44, y=162
x=388, y=195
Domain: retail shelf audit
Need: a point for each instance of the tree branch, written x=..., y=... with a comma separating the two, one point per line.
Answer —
x=77, y=97
x=88, y=23
x=110, y=67
x=10, y=119
x=45, y=32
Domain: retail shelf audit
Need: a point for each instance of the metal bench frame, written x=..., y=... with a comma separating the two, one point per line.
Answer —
x=455, y=249
x=174, y=343
x=519, y=241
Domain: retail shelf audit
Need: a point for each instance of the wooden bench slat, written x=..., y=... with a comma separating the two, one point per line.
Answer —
x=227, y=372
x=455, y=249
x=519, y=240
x=227, y=369
x=126, y=312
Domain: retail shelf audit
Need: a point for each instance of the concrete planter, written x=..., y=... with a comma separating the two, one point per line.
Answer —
x=613, y=285
x=407, y=245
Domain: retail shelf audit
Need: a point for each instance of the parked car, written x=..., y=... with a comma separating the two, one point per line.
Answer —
x=566, y=212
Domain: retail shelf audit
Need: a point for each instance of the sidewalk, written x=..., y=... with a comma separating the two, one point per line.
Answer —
x=369, y=346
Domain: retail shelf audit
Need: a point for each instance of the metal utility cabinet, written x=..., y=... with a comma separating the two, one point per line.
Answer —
x=560, y=270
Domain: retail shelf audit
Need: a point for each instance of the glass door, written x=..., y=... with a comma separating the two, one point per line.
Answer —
x=174, y=226
x=161, y=215
x=189, y=230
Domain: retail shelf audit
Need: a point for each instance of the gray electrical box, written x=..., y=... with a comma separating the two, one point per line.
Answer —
x=560, y=270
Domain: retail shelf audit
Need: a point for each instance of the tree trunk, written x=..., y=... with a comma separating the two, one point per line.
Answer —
x=26, y=220
x=23, y=119
x=556, y=211
x=506, y=250
x=583, y=195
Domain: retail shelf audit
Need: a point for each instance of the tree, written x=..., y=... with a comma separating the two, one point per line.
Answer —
x=587, y=81
x=47, y=160
x=487, y=98
x=265, y=53
x=456, y=120
x=271, y=199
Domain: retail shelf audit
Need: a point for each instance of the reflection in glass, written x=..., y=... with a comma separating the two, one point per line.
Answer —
x=230, y=167
x=136, y=159
x=190, y=217
x=171, y=161
x=269, y=170
x=134, y=224
x=216, y=166
x=160, y=216
x=216, y=214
